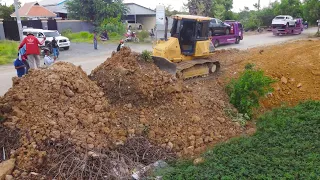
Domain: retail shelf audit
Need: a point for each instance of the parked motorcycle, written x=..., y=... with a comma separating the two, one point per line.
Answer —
x=131, y=37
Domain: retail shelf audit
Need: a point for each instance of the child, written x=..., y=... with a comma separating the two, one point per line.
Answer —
x=20, y=67
x=47, y=59
x=120, y=45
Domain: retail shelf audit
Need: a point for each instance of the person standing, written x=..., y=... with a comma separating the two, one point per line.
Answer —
x=55, y=48
x=95, y=41
x=32, y=50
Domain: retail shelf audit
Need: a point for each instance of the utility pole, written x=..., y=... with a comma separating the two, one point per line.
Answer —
x=18, y=19
x=258, y=5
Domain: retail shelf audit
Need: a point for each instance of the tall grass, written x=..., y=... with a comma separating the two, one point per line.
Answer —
x=8, y=51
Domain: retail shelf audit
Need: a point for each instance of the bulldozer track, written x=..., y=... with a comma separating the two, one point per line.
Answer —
x=199, y=68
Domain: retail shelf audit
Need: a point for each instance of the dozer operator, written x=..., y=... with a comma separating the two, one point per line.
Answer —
x=187, y=52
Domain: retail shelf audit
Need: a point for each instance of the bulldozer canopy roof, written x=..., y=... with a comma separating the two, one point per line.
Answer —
x=192, y=17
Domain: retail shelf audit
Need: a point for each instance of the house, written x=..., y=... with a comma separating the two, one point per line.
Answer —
x=33, y=10
x=136, y=12
x=56, y=6
x=141, y=14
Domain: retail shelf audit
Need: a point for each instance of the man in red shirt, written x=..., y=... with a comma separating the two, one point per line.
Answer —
x=32, y=50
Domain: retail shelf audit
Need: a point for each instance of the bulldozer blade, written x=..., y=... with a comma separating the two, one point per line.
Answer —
x=165, y=65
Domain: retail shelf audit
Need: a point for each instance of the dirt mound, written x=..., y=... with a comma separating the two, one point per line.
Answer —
x=168, y=112
x=61, y=107
x=126, y=78
x=59, y=103
x=295, y=65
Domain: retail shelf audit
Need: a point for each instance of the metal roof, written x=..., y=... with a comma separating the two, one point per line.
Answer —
x=57, y=6
x=136, y=9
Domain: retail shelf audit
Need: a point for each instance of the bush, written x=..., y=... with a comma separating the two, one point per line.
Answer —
x=286, y=146
x=143, y=35
x=146, y=55
x=113, y=25
x=246, y=91
x=8, y=51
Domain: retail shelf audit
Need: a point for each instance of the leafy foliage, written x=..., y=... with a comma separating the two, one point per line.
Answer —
x=8, y=51
x=6, y=11
x=199, y=7
x=113, y=25
x=286, y=146
x=143, y=35
x=311, y=10
x=246, y=91
x=146, y=55
x=95, y=10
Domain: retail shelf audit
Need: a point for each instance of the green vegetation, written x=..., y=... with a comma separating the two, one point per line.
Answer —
x=86, y=37
x=83, y=36
x=286, y=146
x=8, y=51
x=113, y=25
x=253, y=18
x=143, y=35
x=95, y=10
x=146, y=55
x=246, y=91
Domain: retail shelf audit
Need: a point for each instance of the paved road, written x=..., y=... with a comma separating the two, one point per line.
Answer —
x=84, y=55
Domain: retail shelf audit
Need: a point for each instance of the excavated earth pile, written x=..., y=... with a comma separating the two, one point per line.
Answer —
x=138, y=115
x=295, y=66
x=125, y=77
x=59, y=112
x=152, y=103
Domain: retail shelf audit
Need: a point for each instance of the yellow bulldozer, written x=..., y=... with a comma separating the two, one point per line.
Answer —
x=187, y=52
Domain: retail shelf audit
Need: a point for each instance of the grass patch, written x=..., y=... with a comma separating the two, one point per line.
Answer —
x=8, y=51
x=286, y=146
x=80, y=37
x=86, y=37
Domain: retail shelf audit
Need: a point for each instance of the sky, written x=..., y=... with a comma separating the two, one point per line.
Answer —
x=176, y=4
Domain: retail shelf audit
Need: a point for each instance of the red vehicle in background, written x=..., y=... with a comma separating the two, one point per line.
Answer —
x=234, y=37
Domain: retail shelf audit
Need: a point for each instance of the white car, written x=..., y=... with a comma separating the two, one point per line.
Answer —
x=63, y=42
x=134, y=25
x=283, y=20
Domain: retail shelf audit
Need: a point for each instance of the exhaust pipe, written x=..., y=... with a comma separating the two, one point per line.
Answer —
x=166, y=30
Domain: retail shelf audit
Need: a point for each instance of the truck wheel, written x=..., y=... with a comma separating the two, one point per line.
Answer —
x=237, y=40
x=216, y=43
x=129, y=27
x=140, y=27
x=227, y=31
x=287, y=25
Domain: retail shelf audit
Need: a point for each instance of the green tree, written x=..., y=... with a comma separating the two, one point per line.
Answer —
x=95, y=10
x=311, y=10
x=199, y=7
x=288, y=7
x=6, y=11
x=222, y=9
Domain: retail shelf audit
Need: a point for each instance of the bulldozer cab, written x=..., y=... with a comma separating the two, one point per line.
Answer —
x=189, y=30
